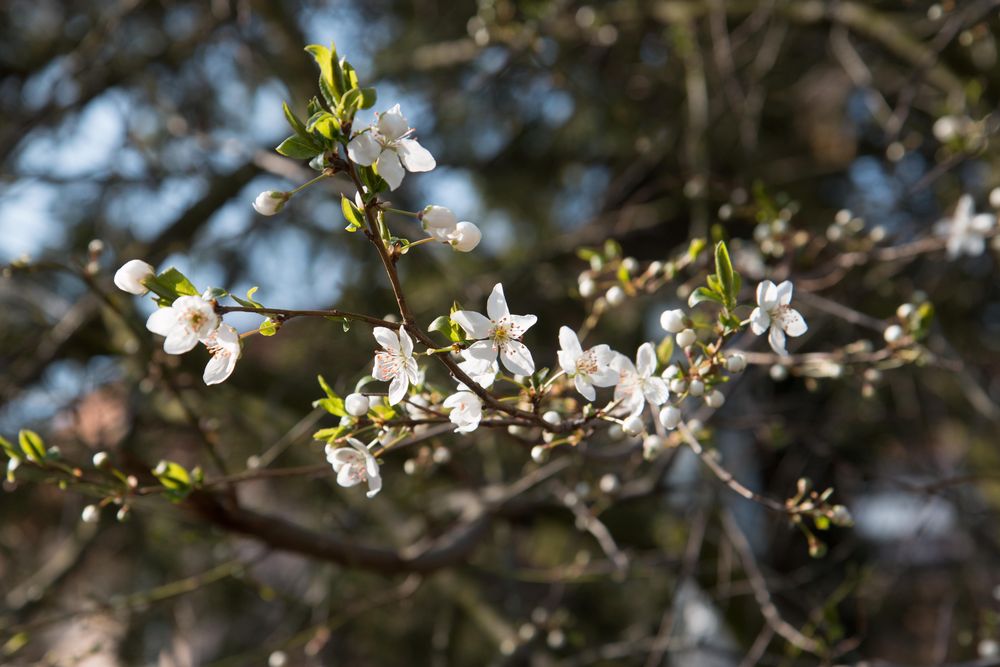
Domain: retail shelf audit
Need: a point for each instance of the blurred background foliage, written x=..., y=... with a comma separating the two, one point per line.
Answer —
x=556, y=124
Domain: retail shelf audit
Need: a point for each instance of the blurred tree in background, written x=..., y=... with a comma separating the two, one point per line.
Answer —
x=556, y=125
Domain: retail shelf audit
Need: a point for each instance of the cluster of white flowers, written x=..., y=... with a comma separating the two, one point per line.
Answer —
x=966, y=230
x=440, y=223
x=187, y=321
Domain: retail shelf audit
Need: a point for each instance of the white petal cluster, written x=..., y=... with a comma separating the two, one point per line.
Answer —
x=966, y=230
x=588, y=369
x=499, y=334
x=637, y=382
x=774, y=315
x=387, y=145
x=466, y=411
x=355, y=464
x=395, y=363
x=440, y=223
x=130, y=277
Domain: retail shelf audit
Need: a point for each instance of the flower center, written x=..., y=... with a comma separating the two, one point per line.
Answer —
x=587, y=364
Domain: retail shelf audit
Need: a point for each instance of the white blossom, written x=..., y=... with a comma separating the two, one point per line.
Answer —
x=466, y=411
x=395, y=363
x=129, y=278
x=270, y=202
x=466, y=237
x=966, y=230
x=587, y=369
x=500, y=334
x=482, y=371
x=893, y=333
x=436, y=218
x=672, y=321
x=186, y=321
x=774, y=314
x=224, y=345
x=387, y=145
x=354, y=465
x=637, y=382
x=633, y=425
x=356, y=404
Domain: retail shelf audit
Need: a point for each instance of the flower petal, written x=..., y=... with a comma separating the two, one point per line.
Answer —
x=776, y=337
x=397, y=388
x=387, y=338
x=521, y=323
x=517, y=358
x=162, y=321
x=584, y=387
x=483, y=351
x=655, y=390
x=496, y=304
x=392, y=124
x=570, y=342
x=766, y=296
x=475, y=324
x=389, y=168
x=645, y=360
x=415, y=157
x=759, y=321
x=793, y=323
x=784, y=292
x=363, y=149
x=219, y=368
x=180, y=340
x=405, y=343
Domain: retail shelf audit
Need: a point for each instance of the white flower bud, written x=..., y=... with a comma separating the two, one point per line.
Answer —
x=670, y=417
x=587, y=288
x=517, y=430
x=101, y=460
x=696, y=388
x=615, y=296
x=123, y=514
x=778, y=373
x=715, y=399
x=609, y=484
x=736, y=363
x=270, y=202
x=95, y=247
x=946, y=128
x=633, y=426
x=551, y=417
x=995, y=197
x=356, y=405
x=672, y=320
x=893, y=333
x=410, y=467
x=441, y=455
x=615, y=432
x=686, y=338
x=695, y=425
x=130, y=276
x=669, y=372
x=631, y=264
x=678, y=386
x=90, y=514
x=652, y=445
x=466, y=237
x=906, y=311
x=539, y=454
x=437, y=217
x=654, y=268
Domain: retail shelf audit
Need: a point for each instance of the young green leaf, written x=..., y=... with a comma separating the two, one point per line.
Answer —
x=32, y=445
x=298, y=148
x=725, y=274
x=353, y=215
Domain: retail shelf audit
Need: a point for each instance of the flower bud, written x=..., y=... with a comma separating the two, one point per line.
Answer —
x=654, y=268
x=841, y=516
x=696, y=388
x=778, y=373
x=123, y=514
x=652, y=445
x=101, y=460
x=893, y=333
x=90, y=514
x=686, y=338
x=551, y=417
x=672, y=320
x=356, y=405
x=633, y=426
x=995, y=197
x=609, y=484
x=736, y=363
x=270, y=202
x=615, y=296
x=539, y=454
x=670, y=417
x=906, y=311
x=587, y=288
x=715, y=399
x=129, y=278
x=441, y=455
x=466, y=237
x=678, y=386
x=95, y=247
x=630, y=264
x=438, y=217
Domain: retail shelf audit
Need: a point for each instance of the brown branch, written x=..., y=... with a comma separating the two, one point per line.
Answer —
x=287, y=314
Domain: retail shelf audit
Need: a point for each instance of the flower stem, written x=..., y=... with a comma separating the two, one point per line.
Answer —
x=399, y=211
x=308, y=183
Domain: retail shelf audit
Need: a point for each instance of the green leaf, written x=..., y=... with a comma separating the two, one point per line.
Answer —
x=368, y=98
x=330, y=393
x=249, y=301
x=446, y=327
x=8, y=448
x=329, y=434
x=612, y=249
x=329, y=94
x=298, y=149
x=350, y=76
x=268, y=327
x=623, y=276
x=175, y=479
x=171, y=284
x=326, y=124
x=294, y=122
x=326, y=59
x=32, y=445
x=335, y=406
x=697, y=245
x=353, y=215
x=665, y=350
x=703, y=294
x=725, y=275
